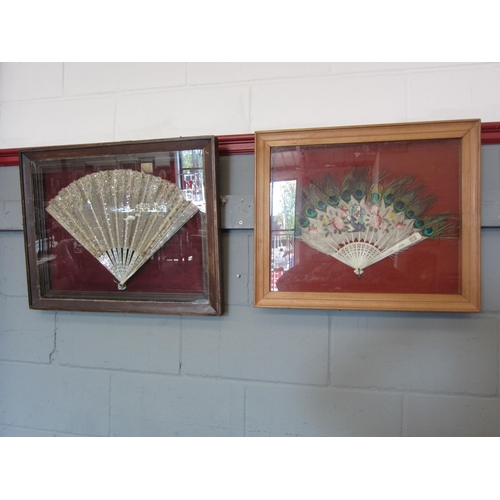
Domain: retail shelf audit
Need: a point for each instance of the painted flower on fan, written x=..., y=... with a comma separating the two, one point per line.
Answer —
x=400, y=225
x=338, y=223
x=375, y=220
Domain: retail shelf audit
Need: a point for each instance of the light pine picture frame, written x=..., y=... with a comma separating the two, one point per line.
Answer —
x=463, y=135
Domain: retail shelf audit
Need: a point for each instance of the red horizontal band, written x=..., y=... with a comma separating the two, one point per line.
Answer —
x=490, y=133
x=236, y=144
x=245, y=144
x=9, y=157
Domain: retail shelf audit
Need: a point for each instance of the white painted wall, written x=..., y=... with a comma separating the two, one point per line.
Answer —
x=251, y=372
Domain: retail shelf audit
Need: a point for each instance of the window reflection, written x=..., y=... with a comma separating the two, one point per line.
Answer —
x=190, y=176
x=282, y=228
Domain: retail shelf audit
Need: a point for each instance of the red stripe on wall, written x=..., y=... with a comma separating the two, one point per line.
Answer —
x=236, y=144
x=490, y=133
x=245, y=144
x=9, y=157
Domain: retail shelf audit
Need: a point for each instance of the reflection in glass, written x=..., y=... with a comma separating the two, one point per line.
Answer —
x=189, y=167
x=282, y=228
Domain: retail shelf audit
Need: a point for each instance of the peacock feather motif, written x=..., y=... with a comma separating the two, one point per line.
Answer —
x=122, y=217
x=363, y=219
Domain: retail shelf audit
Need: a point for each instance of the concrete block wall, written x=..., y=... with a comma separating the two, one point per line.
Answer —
x=251, y=372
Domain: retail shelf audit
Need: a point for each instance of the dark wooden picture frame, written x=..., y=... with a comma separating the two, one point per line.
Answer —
x=330, y=284
x=183, y=277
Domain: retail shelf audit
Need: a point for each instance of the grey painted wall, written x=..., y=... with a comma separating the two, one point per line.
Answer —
x=251, y=372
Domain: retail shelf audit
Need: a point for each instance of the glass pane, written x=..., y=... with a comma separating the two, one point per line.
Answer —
x=132, y=215
x=374, y=217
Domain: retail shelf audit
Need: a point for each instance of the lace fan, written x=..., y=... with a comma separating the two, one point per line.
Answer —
x=361, y=221
x=122, y=217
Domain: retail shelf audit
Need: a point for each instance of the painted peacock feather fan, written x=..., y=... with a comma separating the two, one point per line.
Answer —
x=364, y=219
x=122, y=217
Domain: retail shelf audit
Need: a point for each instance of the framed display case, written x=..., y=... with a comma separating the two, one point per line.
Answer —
x=123, y=227
x=382, y=217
